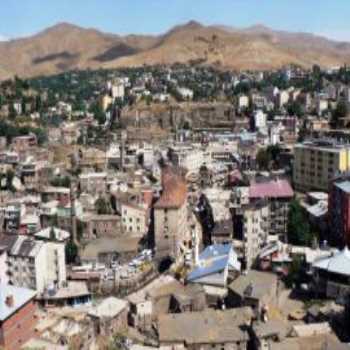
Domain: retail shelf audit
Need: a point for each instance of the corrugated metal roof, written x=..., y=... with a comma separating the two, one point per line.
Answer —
x=215, y=259
x=344, y=186
x=271, y=189
x=21, y=296
x=339, y=263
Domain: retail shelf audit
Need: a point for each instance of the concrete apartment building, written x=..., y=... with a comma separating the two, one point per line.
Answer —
x=97, y=226
x=250, y=224
x=3, y=265
x=188, y=157
x=135, y=218
x=94, y=183
x=171, y=232
x=317, y=162
x=278, y=194
x=34, y=264
x=339, y=209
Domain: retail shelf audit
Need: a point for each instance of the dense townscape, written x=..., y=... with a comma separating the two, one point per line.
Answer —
x=175, y=207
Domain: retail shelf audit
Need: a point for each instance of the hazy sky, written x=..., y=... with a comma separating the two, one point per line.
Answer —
x=25, y=17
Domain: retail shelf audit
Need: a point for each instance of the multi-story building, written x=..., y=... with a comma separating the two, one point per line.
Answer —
x=3, y=265
x=135, y=218
x=171, y=232
x=317, y=162
x=321, y=105
x=118, y=90
x=94, y=183
x=255, y=217
x=97, y=226
x=250, y=224
x=278, y=194
x=339, y=212
x=22, y=143
x=242, y=101
x=17, y=316
x=187, y=157
x=282, y=98
x=260, y=120
x=34, y=264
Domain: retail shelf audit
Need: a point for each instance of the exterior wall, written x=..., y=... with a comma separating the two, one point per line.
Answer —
x=38, y=272
x=3, y=268
x=41, y=266
x=339, y=216
x=134, y=219
x=242, y=345
x=103, y=227
x=314, y=167
x=192, y=160
x=171, y=231
x=106, y=326
x=22, y=271
x=56, y=264
x=93, y=184
x=278, y=216
x=19, y=328
x=255, y=232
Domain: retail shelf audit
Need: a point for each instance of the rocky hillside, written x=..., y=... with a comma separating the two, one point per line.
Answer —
x=65, y=47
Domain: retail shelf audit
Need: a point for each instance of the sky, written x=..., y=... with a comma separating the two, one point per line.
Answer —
x=20, y=18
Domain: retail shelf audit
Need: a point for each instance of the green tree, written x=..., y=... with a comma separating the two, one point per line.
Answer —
x=102, y=206
x=294, y=272
x=263, y=159
x=298, y=228
x=99, y=115
x=52, y=234
x=268, y=157
x=60, y=181
x=71, y=252
x=295, y=108
x=340, y=112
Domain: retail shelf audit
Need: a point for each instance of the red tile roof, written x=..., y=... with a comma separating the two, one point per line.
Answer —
x=271, y=189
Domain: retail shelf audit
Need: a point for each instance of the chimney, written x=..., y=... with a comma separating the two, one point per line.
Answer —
x=9, y=301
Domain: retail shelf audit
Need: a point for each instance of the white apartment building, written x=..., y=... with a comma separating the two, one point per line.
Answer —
x=255, y=231
x=135, y=218
x=187, y=157
x=282, y=98
x=321, y=105
x=36, y=264
x=3, y=266
x=185, y=93
x=242, y=101
x=118, y=90
x=260, y=120
x=93, y=182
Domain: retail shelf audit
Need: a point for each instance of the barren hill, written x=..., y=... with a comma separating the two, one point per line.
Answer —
x=65, y=47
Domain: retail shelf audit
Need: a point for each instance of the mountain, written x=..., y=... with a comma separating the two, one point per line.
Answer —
x=65, y=46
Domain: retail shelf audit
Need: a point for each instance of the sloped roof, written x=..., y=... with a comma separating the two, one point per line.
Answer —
x=338, y=263
x=255, y=284
x=271, y=189
x=21, y=296
x=207, y=327
x=214, y=260
x=109, y=307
